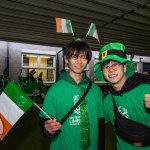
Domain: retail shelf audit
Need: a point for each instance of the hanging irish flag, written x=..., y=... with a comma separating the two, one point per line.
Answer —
x=13, y=104
x=93, y=32
x=64, y=26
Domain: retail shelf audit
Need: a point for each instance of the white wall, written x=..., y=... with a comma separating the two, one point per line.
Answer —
x=15, y=50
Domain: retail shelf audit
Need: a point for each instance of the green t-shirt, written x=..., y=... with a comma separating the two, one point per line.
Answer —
x=130, y=105
x=59, y=100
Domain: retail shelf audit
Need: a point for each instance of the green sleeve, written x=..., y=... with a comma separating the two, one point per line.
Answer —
x=99, y=102
x=106, y=107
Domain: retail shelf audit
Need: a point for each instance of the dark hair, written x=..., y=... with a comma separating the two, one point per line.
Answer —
x=108, y=61
x=105, y=63
x=76, y=48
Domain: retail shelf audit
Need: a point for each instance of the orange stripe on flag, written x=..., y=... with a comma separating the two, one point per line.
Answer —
x=59, y=24
x=5, y=127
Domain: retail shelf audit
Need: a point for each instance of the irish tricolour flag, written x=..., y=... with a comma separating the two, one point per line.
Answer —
x=93, y=32
x=13, y=104
x=63, y=26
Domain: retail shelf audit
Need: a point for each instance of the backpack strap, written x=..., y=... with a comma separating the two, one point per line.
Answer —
x=114, y=106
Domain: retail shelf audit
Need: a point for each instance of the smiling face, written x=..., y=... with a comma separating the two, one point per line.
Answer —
x=114, y=72
x=77, y=55
x=77, y=64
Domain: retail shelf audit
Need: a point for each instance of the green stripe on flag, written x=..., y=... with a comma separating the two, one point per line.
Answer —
x=92, y=29
x=69, y=26
x=18, y=96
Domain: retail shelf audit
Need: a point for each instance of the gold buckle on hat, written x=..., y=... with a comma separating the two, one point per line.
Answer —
x=104, y=54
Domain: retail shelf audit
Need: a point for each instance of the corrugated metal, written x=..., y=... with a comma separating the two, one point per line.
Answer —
x=33, y=21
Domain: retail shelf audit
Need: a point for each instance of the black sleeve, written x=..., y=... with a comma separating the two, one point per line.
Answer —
x=101, y=133
x=43, y=130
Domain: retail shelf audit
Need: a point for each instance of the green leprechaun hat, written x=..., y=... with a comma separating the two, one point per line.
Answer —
x=115, y=52
x=32, y=71
x=40, y=75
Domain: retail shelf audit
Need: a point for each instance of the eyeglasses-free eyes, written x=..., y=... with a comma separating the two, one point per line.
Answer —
x=115, y=67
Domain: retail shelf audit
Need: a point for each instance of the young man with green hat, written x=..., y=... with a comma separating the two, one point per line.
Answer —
x=80, y=129
x=124, y=106
x=32, y=71
x=40, y=77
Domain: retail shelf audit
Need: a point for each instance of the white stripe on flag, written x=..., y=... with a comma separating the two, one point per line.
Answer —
x=95, y=34
x=64, y=26
x=9, y=109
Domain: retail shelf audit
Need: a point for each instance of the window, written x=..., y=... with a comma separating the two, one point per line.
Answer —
x=136, y=66
x=41, y=63
x=30, y=60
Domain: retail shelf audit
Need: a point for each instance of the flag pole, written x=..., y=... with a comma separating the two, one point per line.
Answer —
x=73, y=35
x=42, y=111
x=83, y=36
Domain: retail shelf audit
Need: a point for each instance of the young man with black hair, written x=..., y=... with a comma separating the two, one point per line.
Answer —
x=124, y=106
x=80, y=130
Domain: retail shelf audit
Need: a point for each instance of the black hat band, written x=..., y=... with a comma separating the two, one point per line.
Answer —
x=119, y=53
